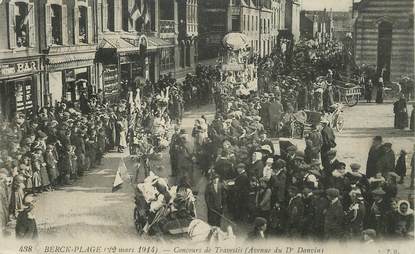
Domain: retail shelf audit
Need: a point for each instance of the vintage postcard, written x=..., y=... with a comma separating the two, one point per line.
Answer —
x=207, y=126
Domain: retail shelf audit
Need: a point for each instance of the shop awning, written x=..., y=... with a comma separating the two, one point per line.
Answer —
x=71, y=58
x=156, y=43
x=119, y=44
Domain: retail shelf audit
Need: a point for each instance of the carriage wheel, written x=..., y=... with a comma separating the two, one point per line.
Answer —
x=339, y=123
x=351, y=100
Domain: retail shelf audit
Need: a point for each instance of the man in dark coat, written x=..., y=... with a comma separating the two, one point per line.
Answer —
x=295, y=212
x=264, y=113
x=329, y=141
x=26, y=227
x=257, y=165
x=313, y=143
x=215, y=200
x=375, y=153
x=401, y=113
x=333, y=221
x=319, y=205
x=173, y=149
x=275, y=111
x=386, y=162
x=242, y=193
x=400, y=167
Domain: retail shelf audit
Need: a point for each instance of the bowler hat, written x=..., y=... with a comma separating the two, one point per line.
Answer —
x=332, y=192
x=378, y=192
x=259, y=222
x=355, y=166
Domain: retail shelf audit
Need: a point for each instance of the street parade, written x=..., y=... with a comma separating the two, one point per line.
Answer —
x=247, y=148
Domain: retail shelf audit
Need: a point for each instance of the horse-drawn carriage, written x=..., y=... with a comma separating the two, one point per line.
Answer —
x=300, y=123
x=169, y=213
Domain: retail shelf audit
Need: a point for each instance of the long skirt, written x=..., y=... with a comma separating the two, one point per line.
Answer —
x=401, y=120
x=36, y=179
x=44, y=175
x=53, y=173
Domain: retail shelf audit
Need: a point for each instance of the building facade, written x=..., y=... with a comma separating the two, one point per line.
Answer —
x=384, y=36
x=21, y=66
x=324, y=24
x=292, y=17
x=57, y=49
x=260, y=20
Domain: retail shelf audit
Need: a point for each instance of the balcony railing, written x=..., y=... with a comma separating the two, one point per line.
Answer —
x=167, y=26
x=192, y=29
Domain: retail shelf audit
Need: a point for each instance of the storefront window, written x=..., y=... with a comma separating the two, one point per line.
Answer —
x=56, y=21
x=21, y=18
x=83, y=24
x=167, y=59
x=110, y=15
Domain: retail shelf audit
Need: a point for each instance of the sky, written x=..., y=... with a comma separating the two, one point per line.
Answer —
x=336, y=5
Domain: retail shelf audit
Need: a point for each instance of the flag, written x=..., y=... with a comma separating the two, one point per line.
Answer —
x=147, y=13
x=135, y=13
x=25, y=20
x=117, y=181
x=121, y=176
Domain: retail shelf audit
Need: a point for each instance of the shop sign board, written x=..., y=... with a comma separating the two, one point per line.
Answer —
x=18, y=68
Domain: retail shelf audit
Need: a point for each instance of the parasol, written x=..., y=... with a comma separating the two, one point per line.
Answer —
x=235, y=41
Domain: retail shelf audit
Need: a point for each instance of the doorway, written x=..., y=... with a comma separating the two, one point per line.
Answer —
x=384, y=49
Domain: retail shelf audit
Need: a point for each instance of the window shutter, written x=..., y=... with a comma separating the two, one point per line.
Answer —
x=65, y=25
x=105, y=15
x=117, y=15
x=91, y=21
x=48, y=19
x=76, y=23
x=32, y=26
x=12, y=33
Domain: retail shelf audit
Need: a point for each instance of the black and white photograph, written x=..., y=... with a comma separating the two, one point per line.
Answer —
x=207, y=126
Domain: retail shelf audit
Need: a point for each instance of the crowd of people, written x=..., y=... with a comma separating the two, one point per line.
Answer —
x=57, y=145
x=297, y=193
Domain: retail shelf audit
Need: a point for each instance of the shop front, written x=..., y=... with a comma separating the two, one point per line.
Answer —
x=122, y=64
x=70, y=75
x=19, y=85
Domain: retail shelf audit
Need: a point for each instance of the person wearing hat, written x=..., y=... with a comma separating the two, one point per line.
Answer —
x=215, y=200
x=404, y=220
x=355, y=214
x=275, y=112
x=386, y=162
x=377, y=212
x=313, y=142
x=328, y=141
x=26, y=227
x=401, y=113
x=260, y=227
x=400, y=167
x=368, y=236
x=257, y=165
x=334, y=217
x=173, y=149
x=265, y=141
x=295, y=212
x=278, y=182
x=374, y=155
x=357, y=178
x=241, y=193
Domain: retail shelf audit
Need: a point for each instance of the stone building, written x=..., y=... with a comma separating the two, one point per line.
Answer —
x=57, y=49
x=384, y=36
x=21, y=77
x=322, y=24
x=260, y=20
x=292, y=17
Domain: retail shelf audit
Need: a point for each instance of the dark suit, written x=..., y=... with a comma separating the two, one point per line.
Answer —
x=26, y=227
x=242, y=193
x=333, y=221
x=329, y=142
x=372, y=159
x=215, y=200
